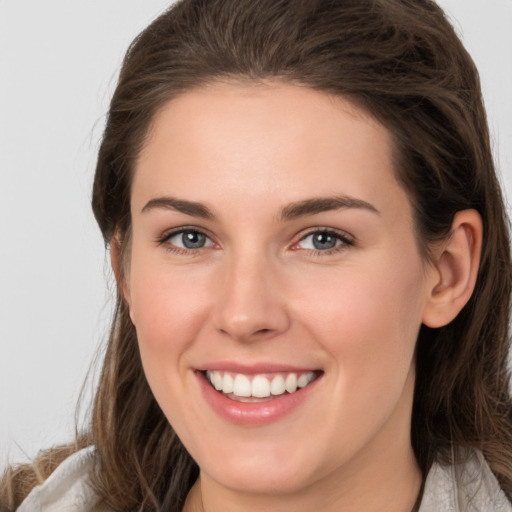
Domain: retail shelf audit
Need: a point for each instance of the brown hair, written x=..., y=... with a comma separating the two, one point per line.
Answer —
x=400, y=60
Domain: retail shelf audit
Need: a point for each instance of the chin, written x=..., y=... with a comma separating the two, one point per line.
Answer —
x=262, y=480
x=266, y=470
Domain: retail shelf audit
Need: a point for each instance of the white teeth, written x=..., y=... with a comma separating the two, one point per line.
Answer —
x=277, y=386
x=217, y=380
x=227, y=383
x=260, y=387
x=291, y=383
x=242, y=386
x=302, y=381
x=305, y=379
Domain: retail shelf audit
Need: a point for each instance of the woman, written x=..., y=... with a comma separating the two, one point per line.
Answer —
x=313, y=271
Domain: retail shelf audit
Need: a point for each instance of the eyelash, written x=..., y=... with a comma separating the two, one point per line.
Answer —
x=345, y=240
x=164, y=239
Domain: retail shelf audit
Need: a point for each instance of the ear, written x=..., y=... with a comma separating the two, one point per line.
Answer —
x=119, y=268
x=456, y=262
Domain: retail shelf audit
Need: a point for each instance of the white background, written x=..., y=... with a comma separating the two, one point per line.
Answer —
x=58, y=65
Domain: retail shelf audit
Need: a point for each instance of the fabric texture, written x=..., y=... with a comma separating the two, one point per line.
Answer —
x=66, y=489
x=468, y=486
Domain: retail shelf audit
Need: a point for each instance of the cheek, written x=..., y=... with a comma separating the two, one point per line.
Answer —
x=368, y=317
x=166, y=321
x=167, y=311
x=164, y=302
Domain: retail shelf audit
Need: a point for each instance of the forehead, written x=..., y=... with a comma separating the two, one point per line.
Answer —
x=258, y=106
x=227, y=140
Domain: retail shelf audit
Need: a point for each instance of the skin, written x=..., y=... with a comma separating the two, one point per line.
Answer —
x=258, y=291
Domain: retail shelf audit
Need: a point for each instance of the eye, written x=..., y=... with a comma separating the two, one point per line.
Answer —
x=188, y=239
x=323, y=241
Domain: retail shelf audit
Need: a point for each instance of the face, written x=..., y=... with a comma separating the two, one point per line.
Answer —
x=273, y=254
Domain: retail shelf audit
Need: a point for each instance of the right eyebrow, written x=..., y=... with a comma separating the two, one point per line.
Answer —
x=187, y=207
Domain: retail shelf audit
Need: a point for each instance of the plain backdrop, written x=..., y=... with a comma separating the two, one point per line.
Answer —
x=58, y=66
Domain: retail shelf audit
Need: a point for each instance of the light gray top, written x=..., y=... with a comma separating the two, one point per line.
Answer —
x=66, y=489
x=468, y=487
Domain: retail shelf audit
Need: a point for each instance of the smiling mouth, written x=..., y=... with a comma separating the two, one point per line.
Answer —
x=259, y=387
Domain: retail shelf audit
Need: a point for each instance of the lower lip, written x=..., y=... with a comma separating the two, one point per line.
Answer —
x=254, y=413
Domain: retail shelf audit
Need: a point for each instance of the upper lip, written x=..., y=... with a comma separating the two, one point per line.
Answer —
x=254, y=368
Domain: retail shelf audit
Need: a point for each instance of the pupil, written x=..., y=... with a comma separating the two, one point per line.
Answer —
x=193, y=239
x=324, y=241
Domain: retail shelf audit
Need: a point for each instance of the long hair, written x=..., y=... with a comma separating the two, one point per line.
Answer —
x=402, y=62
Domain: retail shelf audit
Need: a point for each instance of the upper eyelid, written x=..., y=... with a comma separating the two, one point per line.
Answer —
x=339, y=232
x=175, y=231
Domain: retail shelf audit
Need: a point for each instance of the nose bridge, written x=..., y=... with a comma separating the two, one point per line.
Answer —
x=250, y=304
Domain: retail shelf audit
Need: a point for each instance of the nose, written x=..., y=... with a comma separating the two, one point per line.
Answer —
x=250, y=304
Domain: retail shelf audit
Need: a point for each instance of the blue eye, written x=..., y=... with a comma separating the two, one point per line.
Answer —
x=324, y=241
x=189, y=239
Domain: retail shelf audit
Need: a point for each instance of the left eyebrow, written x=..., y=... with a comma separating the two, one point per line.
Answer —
x=324, y=204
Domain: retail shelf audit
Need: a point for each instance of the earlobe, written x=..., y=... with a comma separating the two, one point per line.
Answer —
x=118, y=267
x=456, y=268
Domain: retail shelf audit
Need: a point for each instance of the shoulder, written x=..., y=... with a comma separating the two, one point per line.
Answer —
x=67, y=488
x=467, y=485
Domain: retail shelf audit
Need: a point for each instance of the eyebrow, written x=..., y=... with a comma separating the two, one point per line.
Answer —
x=187, y=207
x=292, y=211
x=324, y=204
